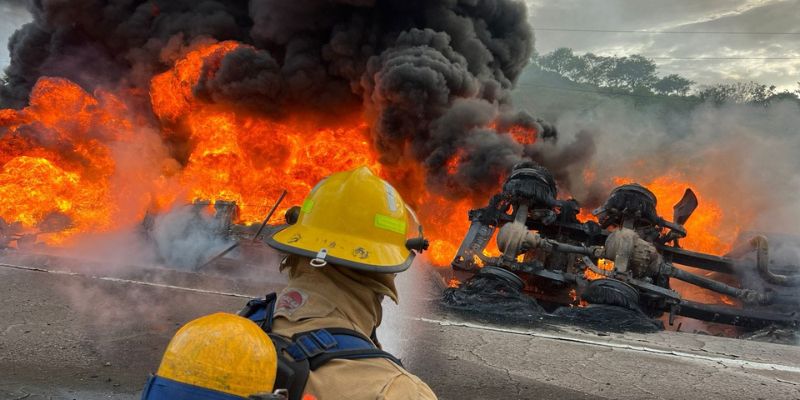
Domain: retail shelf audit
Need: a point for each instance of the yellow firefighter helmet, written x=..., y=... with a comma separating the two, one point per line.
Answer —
x=353, y=219
x=219, y=356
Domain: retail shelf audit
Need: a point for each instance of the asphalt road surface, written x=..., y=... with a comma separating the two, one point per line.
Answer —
x=86, y=331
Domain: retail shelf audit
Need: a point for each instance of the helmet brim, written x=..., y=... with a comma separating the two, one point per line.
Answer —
x=344, y=251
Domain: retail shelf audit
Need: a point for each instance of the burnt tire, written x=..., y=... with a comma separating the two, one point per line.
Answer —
x=611, y=292
x=507, y=276
x=493, y=291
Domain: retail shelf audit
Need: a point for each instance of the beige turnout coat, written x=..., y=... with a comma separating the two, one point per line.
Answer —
x=334, y=297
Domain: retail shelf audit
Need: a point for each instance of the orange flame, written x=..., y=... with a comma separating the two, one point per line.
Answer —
x=523, y=135
x=55, y=158
x=603, y=264
x=246, y=158
x=67, y=166
x=706, y=232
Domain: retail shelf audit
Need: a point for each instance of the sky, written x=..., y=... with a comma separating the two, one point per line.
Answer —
x=12, y=15
x=749, y=17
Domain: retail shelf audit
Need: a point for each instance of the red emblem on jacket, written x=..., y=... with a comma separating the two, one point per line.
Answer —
x=290, y=301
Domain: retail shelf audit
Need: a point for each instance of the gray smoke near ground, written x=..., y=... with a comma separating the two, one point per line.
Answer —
x=186, y=237
x=433, y=76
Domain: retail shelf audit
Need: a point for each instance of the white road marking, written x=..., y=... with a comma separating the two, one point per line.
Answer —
x=120, y=280
x=755, y=365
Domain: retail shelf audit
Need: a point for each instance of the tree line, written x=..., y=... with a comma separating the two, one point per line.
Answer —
x=636, y=74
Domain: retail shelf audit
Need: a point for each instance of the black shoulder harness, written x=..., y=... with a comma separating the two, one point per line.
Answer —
x=307, y=351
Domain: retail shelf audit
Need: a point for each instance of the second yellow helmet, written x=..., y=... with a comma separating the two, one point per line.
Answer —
x=218, y=356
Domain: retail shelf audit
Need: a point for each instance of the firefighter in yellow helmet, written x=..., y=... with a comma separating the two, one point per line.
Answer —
x=217, y=357
x=345, y=244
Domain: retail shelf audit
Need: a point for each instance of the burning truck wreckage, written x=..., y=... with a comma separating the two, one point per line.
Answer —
x=625, y=259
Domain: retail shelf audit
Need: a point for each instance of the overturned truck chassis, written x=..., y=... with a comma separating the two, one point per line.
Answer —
x=548, y=251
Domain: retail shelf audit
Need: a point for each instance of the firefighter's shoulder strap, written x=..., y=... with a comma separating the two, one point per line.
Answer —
x=307, y=351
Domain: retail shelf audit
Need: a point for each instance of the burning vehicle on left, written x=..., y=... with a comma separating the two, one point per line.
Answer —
x=201, y=236
x=626, y=258
x=206, y=235
x=16, y=235
x=206, y=226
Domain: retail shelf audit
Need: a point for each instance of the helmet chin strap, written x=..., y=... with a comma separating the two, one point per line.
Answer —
x=419, y=243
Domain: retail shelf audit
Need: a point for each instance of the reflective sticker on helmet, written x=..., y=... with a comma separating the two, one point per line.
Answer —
x=307, y=206
x=390, y=224
x=391, y=196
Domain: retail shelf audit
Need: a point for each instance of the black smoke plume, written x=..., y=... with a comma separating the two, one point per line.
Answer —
x=433, y=76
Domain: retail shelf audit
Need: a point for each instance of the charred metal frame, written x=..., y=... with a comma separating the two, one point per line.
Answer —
x=528, y=196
